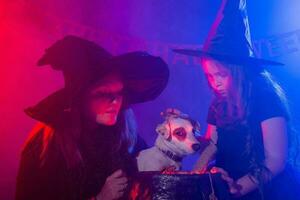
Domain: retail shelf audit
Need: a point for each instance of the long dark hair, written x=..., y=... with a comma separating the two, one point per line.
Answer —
x=67, y=133
x=68, y=138
x=247, y=82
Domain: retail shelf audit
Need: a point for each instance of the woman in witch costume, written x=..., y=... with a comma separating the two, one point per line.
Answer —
x=248, y=120
x=85, y=142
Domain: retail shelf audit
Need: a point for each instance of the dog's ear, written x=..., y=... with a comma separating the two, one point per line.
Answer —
x=162, y=130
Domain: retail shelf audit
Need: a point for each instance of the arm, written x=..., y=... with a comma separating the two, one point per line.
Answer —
x=274, y=132
x=211, y=133
x=208, y=153
x=28, y=181
x=275, y=144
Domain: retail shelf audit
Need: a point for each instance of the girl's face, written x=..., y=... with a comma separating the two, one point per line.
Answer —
x=218, y=76
x=104, y=100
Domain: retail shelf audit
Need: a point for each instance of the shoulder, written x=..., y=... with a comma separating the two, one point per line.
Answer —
x=269, y=104
x=139, y=146
x=32, y=152
x=39, y=137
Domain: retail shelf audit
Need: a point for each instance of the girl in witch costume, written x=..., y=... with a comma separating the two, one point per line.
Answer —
x=248, y=120
x=85, y=142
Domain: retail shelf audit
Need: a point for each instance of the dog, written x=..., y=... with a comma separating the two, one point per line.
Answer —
x=177, y=138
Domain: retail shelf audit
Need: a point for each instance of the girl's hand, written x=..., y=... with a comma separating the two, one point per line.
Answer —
x=234, y=188
x=114, y=186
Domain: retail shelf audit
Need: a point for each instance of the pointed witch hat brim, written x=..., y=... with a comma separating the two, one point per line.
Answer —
x=227, y=58
x=229, y=38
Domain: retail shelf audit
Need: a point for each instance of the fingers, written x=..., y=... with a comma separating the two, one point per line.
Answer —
x=219, y=170
x=173, y=111
x=116, y=174
x=199, y=171
x=121, y=181
x=118, y=180
x=118, y=195
x=233, y=187
x=114, y=186
x=224, y=175
x=122, y=187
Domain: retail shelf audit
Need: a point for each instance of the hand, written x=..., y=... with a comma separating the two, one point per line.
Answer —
x=234, y=188
x=114, y=186
x=173, y=112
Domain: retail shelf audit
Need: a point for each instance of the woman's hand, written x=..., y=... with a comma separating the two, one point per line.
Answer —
x=114, y=186
x=234, y=188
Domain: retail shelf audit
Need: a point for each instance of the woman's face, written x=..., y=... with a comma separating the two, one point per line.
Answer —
x=218, y=76
x=104, y=100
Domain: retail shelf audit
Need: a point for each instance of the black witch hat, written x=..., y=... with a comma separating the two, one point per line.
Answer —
x=229, y=38
x=83, y=62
